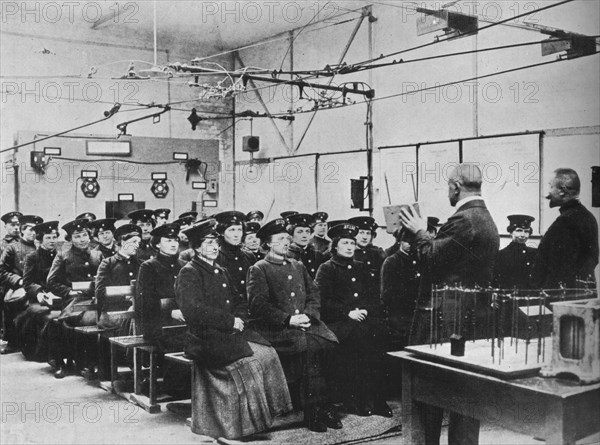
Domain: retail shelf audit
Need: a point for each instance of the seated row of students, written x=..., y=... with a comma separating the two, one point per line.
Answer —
x=217, y=293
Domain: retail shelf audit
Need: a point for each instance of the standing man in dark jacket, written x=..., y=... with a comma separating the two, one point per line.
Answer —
x=569, y=248
x=464, y=251
x=515, y=262
x=11, y=277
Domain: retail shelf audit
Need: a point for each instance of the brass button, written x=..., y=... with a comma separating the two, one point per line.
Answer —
x=242, y=281
x=296, y=312
x=224, y=284
x=349, y=266
x=355, y=294
x=130, y=274
x=240, y=268
x=353, y=279
x=293, y=294
x=289, y=277
x=216, y=270
x=86, y=264
x=227, y=302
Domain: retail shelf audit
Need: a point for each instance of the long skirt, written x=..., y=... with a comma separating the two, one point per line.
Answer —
x=241, y=398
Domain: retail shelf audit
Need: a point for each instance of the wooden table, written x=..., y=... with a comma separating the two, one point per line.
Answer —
x=558, y=411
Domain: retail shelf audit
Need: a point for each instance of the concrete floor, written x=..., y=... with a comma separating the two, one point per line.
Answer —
x=38, y=409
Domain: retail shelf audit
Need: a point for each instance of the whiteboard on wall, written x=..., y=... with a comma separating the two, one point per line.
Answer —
x=435, y=162
x=511, y=175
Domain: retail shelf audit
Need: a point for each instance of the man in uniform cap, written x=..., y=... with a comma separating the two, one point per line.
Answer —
x=31, y=327
x=285, y=303
x=251, y=241
x=300, y=227
x=145, y=220
x=104, y=230
x=255, y=216
x=11, y=277
x=78, y=263
x=515, y=263
x=366, y=252
x=11, y=226
x=232, y=258
x=318, y=240
x=161, y=216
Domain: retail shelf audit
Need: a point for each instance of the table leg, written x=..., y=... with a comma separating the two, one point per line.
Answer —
x=413, y=427
x=152, y=390
x=114, y=371
x=137, y=371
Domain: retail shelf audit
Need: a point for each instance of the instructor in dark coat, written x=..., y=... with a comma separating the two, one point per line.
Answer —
x=569, y=249
x=464, y=251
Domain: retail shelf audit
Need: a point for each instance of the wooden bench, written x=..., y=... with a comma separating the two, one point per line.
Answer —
x=139, y=344
x=116, y=297
x=180, y=358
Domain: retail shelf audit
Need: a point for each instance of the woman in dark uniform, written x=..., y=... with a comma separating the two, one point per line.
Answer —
x=235, y=260
x=285, y=304
x=239, y=384
x=300, y=229
x=251, y=241
x=350, y=307
x=155, y=303
x=366, y=252
x=79, y=263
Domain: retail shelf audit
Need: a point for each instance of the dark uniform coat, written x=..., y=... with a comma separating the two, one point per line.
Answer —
x=514, y=266
x=114, y=271
x=278, y=289
x=310, y=257
x=345, y=285
x=146, y=251
x=35, y=273
x=12, y=262
x=569, y=249
x=321, y=245
x=236, y=261
x=465, y=248
x=401, y=282
x=106, y=251
x=210, y=303
x=32, y=326
x=71, y=266
x=156, y=294
x=356, y=365
x=372, y=256
x=7, y=240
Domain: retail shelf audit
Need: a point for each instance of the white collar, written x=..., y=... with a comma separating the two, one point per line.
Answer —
x=463, y=201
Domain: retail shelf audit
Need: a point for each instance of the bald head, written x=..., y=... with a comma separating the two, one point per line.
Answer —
x=468, y=176
x=464, y=180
